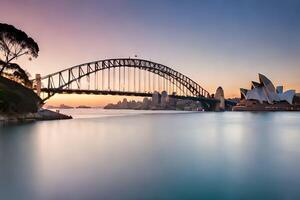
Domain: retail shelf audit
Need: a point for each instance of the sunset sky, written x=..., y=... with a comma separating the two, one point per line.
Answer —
x=214, y=42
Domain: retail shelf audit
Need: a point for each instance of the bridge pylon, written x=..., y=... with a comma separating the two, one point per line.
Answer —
x=38, y=86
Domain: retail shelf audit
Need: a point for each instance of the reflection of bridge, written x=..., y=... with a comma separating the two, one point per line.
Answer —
x=125, y=76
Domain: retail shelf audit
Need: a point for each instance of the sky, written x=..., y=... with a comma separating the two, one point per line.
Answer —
x=215, y=42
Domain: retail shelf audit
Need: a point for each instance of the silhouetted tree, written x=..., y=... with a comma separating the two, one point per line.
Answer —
x=15, y=43
x=17, y=72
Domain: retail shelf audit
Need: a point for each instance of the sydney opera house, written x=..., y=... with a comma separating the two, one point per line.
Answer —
x=263, y=96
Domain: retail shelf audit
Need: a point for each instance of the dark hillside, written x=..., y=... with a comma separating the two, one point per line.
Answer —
x=15, y=98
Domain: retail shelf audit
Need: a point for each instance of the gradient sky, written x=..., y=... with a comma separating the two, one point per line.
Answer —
x=214, y=42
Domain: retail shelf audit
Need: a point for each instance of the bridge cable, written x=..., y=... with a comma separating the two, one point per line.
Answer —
x=119, y=78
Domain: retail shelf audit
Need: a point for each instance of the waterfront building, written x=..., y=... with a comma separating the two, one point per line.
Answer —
x=264, y=96
x=146, y=104
x=156, y=98
x=172, y=101
x=164, y=99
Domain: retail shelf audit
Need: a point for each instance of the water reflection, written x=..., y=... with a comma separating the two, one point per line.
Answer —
x=153, y=156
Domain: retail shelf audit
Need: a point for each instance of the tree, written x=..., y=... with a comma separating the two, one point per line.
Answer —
x=15, y=43
x=17, y=72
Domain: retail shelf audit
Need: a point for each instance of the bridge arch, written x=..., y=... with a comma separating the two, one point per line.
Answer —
x=63, y=81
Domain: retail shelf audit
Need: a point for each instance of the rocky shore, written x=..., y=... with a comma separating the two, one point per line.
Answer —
x=41, y=115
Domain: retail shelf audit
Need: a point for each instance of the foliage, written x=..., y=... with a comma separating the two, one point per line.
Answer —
x=17, y=72
x=15, y=43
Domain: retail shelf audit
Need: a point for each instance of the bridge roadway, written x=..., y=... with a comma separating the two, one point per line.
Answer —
x=124, y=93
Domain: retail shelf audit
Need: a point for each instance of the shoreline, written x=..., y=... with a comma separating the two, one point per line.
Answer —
x=41, y=115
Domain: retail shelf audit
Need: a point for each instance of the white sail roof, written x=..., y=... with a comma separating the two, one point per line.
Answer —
x=288, y=96
x=257, y=94
x=265, y=91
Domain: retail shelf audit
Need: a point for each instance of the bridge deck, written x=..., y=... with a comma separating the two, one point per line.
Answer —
x=123, y=93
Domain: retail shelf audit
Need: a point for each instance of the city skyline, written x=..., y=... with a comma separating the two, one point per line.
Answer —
x=220, y=43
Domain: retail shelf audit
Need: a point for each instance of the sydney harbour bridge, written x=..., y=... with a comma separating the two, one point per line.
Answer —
x=124, y=77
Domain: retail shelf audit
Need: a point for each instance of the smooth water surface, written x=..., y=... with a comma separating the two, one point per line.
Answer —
x=153, y=155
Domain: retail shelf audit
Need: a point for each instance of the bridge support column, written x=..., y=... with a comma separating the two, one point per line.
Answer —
x=219, y=95
x=38, y=84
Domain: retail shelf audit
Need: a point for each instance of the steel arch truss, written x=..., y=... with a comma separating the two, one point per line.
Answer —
x=62, y=81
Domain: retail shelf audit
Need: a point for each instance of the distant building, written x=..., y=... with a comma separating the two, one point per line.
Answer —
x=164, y=99
x=263, y=96
x=172, y=101
x=146, y=104
x=158, y=102
x=156, y=98
x=124, y=104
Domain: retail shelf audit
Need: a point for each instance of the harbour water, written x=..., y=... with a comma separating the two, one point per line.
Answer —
x=111, y=154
